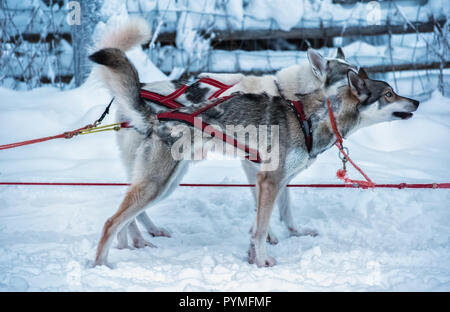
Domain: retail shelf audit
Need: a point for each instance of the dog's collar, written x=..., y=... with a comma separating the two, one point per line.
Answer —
x=305, y=123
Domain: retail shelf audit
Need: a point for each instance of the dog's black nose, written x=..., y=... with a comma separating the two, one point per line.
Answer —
x=416, y=103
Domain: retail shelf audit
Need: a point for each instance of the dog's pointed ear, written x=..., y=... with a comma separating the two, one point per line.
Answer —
x=318, y=64
x=340, y=54
x=362, y=73
x=357, y=86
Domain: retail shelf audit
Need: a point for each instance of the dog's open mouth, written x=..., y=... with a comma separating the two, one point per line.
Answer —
x=402, y=115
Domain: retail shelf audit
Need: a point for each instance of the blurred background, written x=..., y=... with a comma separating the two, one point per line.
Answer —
x=45, y=42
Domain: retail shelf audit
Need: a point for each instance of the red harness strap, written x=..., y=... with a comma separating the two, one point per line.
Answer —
x=192, y=120
x=169, y=100
x=341, y=174
x=221, y=86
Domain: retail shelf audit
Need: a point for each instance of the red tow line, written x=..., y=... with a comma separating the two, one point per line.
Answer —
x=65, y=135
x=396, y=186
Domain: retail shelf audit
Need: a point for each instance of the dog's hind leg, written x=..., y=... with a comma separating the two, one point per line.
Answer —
x=284, y=205
x=135, y=234
x=138, y=240
x=283, y=202
x=128, y=142
x=251, y=172
x=135, y=200
x=150, y=182
x=122, y=238
x=151, y=228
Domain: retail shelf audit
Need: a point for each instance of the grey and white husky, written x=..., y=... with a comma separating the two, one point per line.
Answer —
x=357, y=101
x=295, y=81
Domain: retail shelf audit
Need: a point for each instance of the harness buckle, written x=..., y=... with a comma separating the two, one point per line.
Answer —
x=343, y=158
x=341, y=155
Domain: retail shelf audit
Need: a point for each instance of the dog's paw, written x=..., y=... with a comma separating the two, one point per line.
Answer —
x=159, y=232
x=251, y=254
x=99, y=263
x=268, y=261
x=303, y=232
x=271, y=238
x=141, y=243
x=121, y=245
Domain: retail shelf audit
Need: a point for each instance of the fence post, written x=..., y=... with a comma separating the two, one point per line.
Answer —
x=82, y=37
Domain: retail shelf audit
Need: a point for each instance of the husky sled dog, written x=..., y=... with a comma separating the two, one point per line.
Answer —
x=357, y=101
x=295, y=81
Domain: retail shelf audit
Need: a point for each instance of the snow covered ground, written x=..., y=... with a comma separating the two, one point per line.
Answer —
x=370, y=240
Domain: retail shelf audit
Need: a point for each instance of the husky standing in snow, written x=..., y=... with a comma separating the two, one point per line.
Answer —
x=356, y=100
x=294, y=81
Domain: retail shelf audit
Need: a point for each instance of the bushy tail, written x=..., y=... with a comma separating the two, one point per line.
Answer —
x=125, y=35
x=117, y=72
x=120, y=76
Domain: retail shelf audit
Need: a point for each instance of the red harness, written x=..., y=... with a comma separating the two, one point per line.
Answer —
x=192, y=119
x=342, y=173
x=305, y=123
x=170, y=102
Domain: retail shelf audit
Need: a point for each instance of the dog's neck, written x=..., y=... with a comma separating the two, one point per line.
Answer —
x=345, y=110
x=347, y=118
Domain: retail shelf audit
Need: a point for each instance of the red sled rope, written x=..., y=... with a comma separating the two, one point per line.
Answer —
x=396, y=186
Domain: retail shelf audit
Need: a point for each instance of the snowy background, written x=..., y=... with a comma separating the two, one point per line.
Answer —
x=369, y=240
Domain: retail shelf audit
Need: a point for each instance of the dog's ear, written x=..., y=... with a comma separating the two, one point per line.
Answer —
x=318, y=64
x=362, y=73
x=340, y=54
x=357, y=86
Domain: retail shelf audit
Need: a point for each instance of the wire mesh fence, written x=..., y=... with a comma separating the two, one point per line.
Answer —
x=35, y=45
x=404, y=41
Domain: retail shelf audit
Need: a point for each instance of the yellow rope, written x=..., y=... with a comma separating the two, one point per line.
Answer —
x=115, y=127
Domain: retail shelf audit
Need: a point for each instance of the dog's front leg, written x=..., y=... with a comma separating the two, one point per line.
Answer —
x=268, y=186
x=251, y=171
x=284, y=206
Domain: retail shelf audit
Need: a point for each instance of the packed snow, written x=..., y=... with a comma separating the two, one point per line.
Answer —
x=369, y=240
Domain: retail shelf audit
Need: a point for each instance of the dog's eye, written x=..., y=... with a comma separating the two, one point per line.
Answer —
x=388, y=94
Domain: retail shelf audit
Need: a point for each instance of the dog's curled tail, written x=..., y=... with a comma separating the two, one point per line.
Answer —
x=121, y=78
x=124, y=35
x=116, y=71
